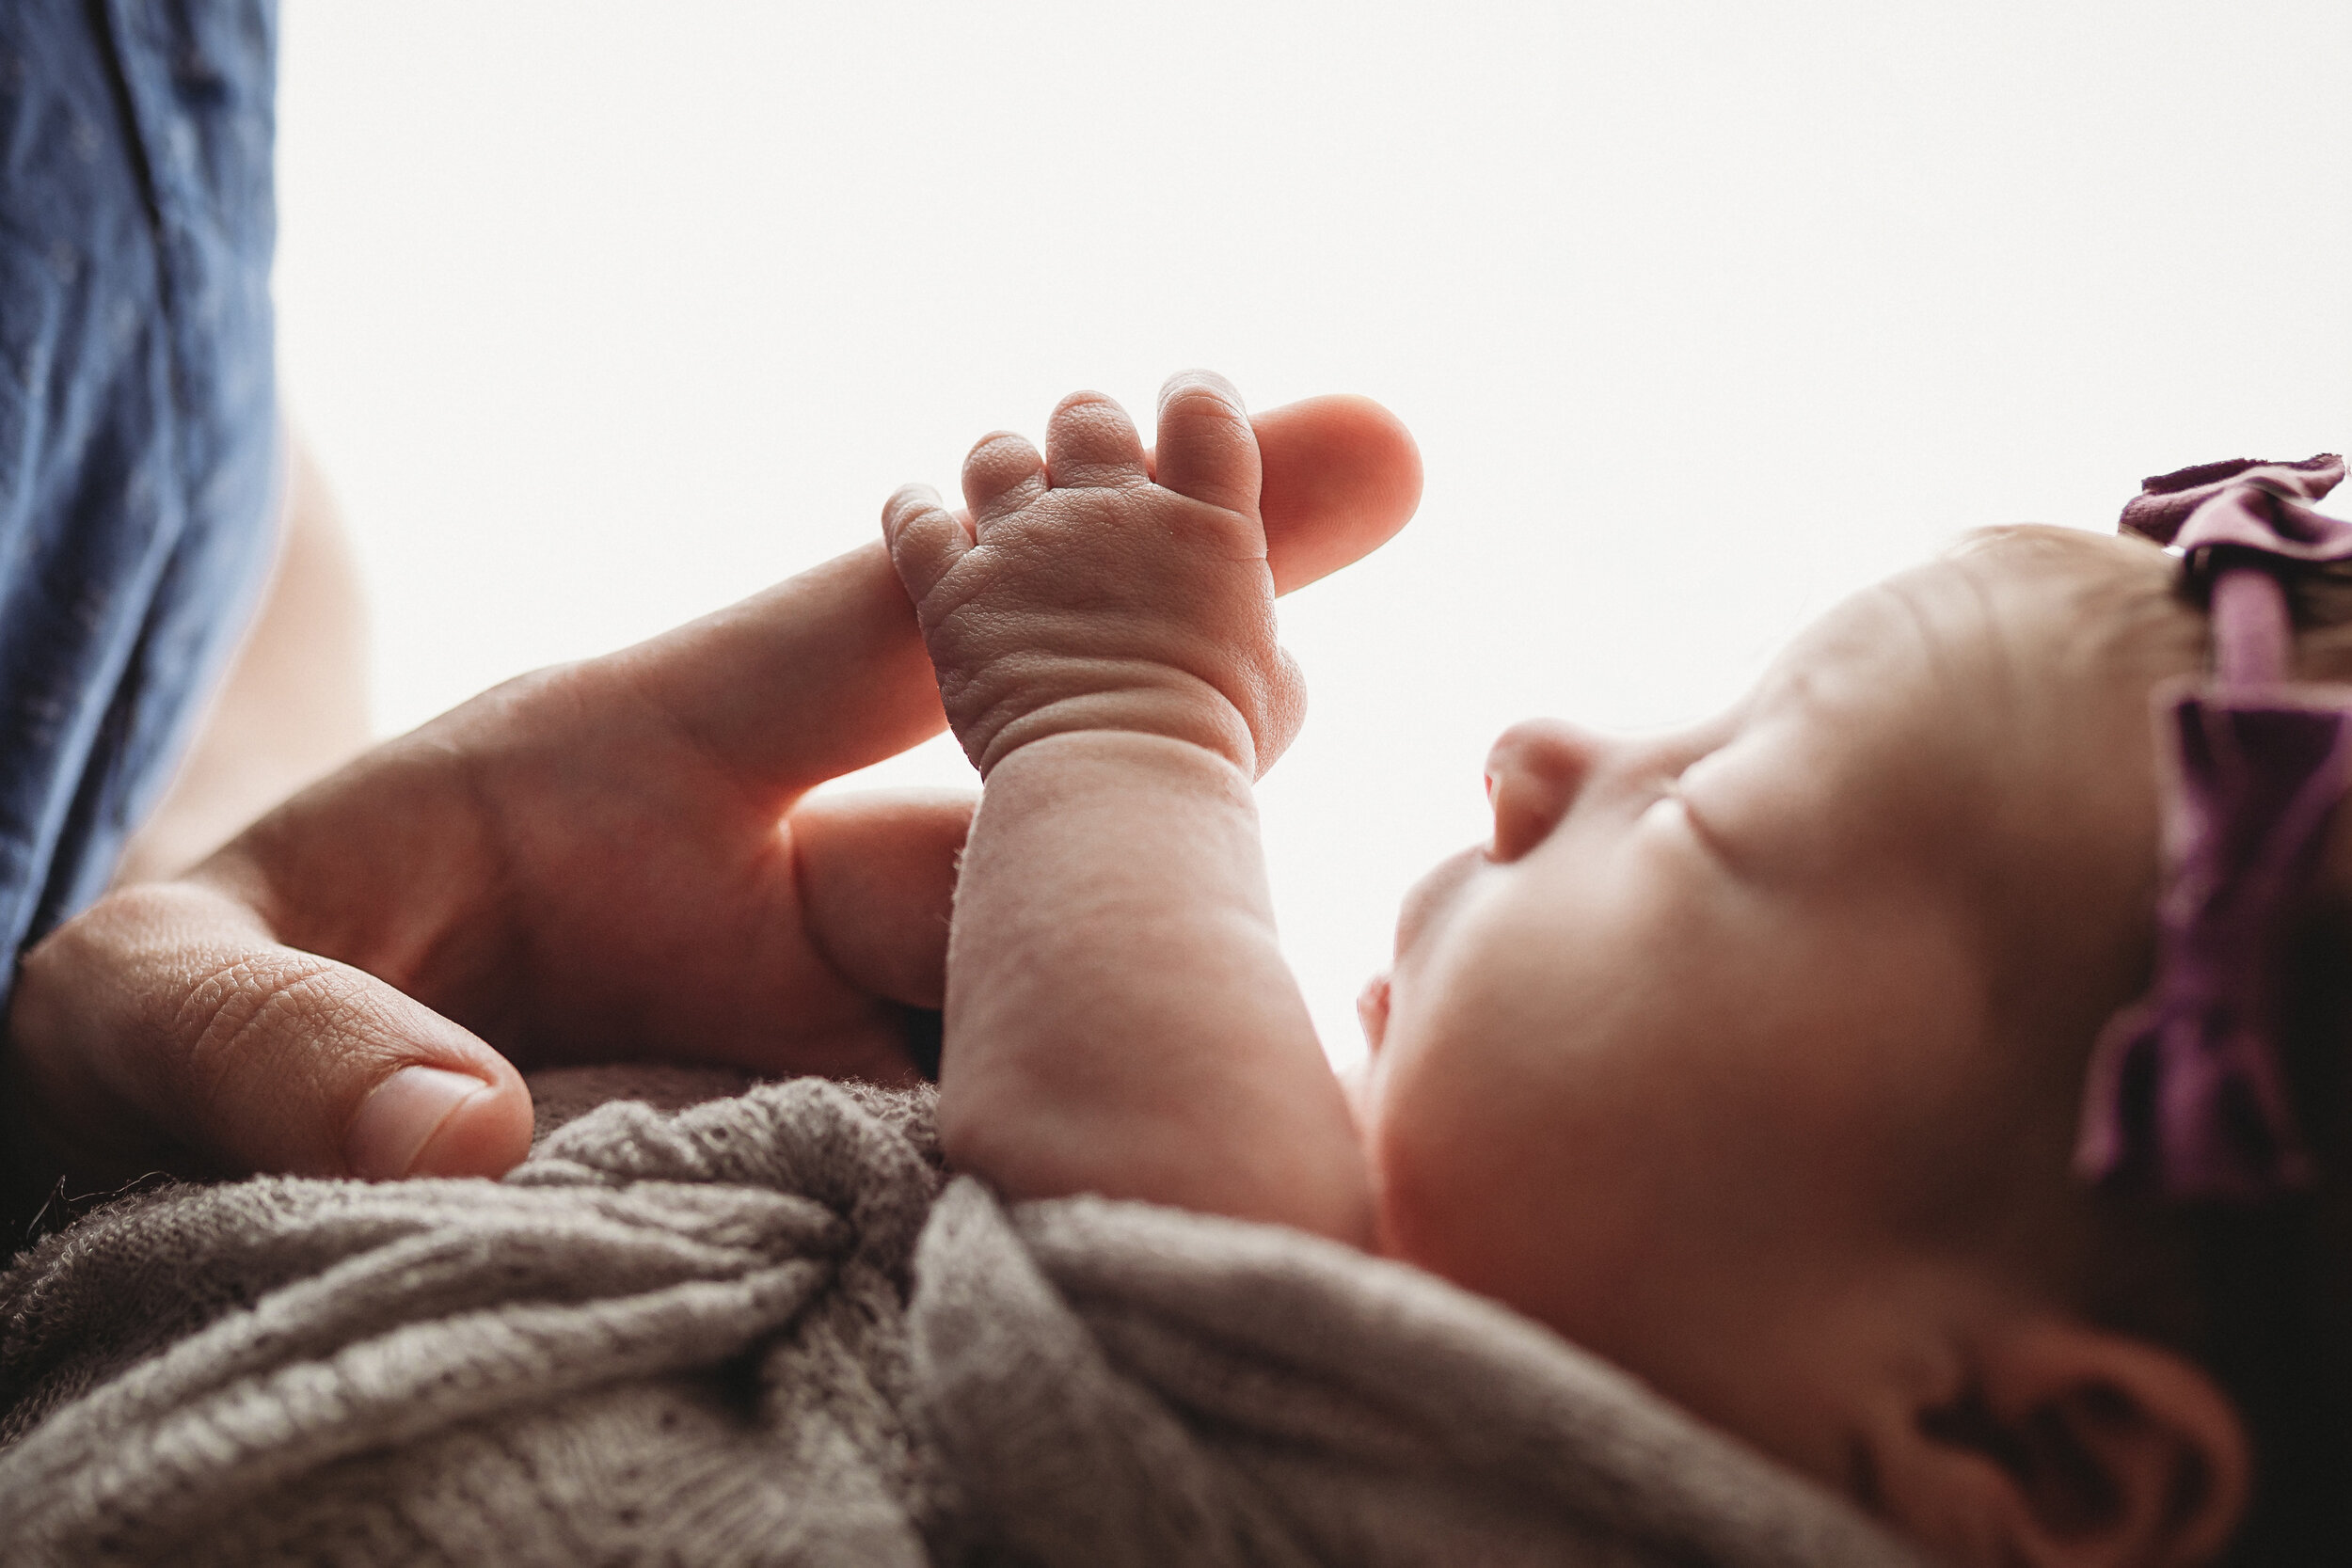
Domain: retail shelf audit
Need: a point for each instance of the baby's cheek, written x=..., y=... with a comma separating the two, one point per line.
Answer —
x=1475, y=1184
x=1355, y=1081
x=1448, y=1199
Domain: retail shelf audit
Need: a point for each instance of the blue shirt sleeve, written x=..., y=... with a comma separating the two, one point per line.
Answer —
x=139, y=445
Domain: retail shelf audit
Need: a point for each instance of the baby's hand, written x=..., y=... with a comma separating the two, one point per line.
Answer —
x=1096, y=590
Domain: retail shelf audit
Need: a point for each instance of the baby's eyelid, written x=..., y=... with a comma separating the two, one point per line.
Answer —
x=1676, y=794
x=1670, y=785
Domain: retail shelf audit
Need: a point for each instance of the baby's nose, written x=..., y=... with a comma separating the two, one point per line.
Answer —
x=1533, y=775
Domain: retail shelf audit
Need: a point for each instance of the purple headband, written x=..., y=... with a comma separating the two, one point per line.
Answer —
x=2187, y=1097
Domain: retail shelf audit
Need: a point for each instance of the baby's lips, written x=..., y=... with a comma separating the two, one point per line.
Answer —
x=1372, y=1010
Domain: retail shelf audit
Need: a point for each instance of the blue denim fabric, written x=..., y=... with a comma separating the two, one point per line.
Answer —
x=139, y=456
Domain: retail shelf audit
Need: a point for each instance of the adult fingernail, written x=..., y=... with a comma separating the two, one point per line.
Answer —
x=397, y=1121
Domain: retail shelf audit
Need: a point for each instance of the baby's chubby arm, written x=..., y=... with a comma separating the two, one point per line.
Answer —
x=1118, y=1017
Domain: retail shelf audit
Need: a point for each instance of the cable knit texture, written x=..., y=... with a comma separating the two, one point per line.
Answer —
x=767, y=1328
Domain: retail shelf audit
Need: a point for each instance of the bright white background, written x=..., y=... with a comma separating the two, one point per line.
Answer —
x=603, y=314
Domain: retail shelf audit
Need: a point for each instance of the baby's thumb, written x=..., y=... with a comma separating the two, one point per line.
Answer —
x=164, y=1027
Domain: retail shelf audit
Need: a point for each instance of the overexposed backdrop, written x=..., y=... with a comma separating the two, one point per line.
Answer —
x=602, y=313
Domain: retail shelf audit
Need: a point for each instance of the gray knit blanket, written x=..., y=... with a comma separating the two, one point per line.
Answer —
x=770, y=1329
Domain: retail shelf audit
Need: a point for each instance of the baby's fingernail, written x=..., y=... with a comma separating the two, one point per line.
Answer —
x=401, y=1117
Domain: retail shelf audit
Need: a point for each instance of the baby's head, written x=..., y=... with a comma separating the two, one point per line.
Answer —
x=1752, y=1058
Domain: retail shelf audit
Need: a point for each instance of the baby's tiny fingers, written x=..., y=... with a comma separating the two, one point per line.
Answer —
x=1090, y=442
x=1002, y=473
x=1206, y=448
x=926, y=539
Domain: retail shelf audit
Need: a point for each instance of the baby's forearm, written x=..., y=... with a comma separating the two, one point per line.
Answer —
x=1120, y=1020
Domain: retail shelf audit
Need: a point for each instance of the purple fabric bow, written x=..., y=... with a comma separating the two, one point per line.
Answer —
x=2187, y=1097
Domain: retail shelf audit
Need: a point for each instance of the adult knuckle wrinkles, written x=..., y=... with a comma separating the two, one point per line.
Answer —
x=252, y=1000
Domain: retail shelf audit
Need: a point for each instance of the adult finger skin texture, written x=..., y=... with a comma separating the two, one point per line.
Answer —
x=1341, y=476
x=878, y=877
x=820, y=675
x=166, y=1018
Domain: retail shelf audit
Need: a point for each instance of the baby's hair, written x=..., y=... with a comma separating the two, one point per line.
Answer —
x=2259, y=1294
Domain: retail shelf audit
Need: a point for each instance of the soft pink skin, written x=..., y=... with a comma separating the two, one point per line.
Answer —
x=1717, y=1027
x=614, y=857
x=1103, y=627
x=1697, y=1058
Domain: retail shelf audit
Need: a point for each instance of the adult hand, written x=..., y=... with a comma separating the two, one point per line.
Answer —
x=608, y=860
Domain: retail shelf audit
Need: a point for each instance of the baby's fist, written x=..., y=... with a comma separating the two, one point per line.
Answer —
x=1096, y=590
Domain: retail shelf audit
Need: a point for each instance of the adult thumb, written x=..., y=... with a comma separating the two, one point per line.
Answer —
x=164, y=1027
